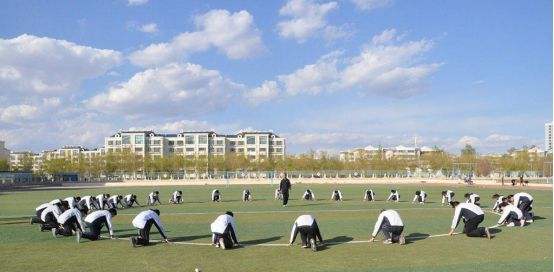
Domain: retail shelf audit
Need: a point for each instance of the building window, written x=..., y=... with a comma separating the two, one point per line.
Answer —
x=240, y=143
x=278, y=142
x=170, y=143
x=263, y=139
x=202, y=139
x=189, y=139
x=251, y=150
x=240, y=150
x=190, y=149
x=138, y=149
x=262, y=149
x=156, y=142
x=156, y=150
x=219, y=150
x=126, y=139
x=110, y=142
x=278, y=150
x=202, y=149
x=219, y=142
x=250, y=140
x=139, y=139
x=179, y=143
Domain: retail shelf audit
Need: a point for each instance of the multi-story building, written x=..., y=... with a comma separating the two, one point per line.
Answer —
x=19, y=159
x=397, y=152
x=4, y=152
x=254, y=145
x=548, y=137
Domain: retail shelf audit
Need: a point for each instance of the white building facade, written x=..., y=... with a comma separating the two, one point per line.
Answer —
x=548, y=137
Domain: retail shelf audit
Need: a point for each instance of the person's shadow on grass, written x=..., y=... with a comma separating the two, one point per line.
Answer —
x=416, y=236
x=189, y=238
x=262, y=240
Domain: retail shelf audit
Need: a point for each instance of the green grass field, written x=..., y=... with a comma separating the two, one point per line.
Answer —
x=24, y=248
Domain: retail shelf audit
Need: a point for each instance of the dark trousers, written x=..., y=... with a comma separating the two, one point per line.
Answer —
x=309, y=232
x=471, y=227
x=525, y=207
x=285, y=197
x=216, y=198
x=229, y=237
x=49, y=223
x=144, y=233
x=68, y=227
x=391, y=232
x=94, y=229
x=36, y=218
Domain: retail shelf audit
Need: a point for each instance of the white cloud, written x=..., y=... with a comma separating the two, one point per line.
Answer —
x=266, y=92
x=45, y=66
x=149, y=28
x=306, y=19
x=136, y=2
x=468, y=140
x=233, y=34
x=169, y=90
x=368, y=5
x=18, y=113
x=394, y=70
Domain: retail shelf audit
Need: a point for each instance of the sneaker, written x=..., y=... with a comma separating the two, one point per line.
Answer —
x=488, y=233
x=511, y=224
x=78, y=235
x=31, y=220
x=529, y=221
x=222, y=243
x=134, y=241
x=313, y=245
x=522, y=223
x=402, y=239
x=54, y=233
x=387, y=242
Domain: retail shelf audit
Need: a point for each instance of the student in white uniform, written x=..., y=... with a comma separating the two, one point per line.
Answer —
x=524, y=202
x=154, y=197
x=447, y=197
x=72, y=201
x=143, y=222
x=89, y=201
x=473, y=215
x=369, y=195
x=309, y=231
x=224, y=231
x=102, y=200
x=391, y=225
x=113, y=201
x=129, y=200
x=70, y=222
x=38, y=212
x=420, y=197
x=49, y=216
x=498, y=199
x=246, y=195
x=472, y=198
x=216, y=195
x=336, y=195
x=277, y=195
x=176, y=197
x=394, y=196
x=308, y=195
x=96, y=220
x=511, y=216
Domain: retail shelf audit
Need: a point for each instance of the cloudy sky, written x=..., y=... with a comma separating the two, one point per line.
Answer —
x=325, y=74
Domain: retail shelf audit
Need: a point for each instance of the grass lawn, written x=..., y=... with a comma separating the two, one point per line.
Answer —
x=24, y=248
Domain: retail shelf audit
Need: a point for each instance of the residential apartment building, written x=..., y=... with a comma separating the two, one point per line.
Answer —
x=4, y=152
x=397, y=152
x=254, y=145
x=548, y=137
x=19, y=159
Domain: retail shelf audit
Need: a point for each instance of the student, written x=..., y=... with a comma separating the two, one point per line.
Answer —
x=336, y=195
x=420, y=197
x=88, y=201
x=394, y=196
x=447, y=197
x=154, y=197
x=277, y=195
x=72, y=201
x=102, y=200
x=472, y=198
x=38, y=212
x=49, y=216
x=176, y=197
x=113, y=201
x=524, y=202
x=129, y=200
x=284, y=188
x=70, y=221
x=473, y=215
x=96, y=220
x=499, y=199
x=224, y=231
x=369, y=195
x=307, y=226
x=246, y=195
x=216, y=195
x=391, y=225
x=143, y=222
x=511, y=216
x=308, y=195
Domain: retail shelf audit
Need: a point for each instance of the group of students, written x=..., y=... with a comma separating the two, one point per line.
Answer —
x=74, y=215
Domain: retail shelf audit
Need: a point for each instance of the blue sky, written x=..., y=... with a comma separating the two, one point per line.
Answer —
x=327, y=75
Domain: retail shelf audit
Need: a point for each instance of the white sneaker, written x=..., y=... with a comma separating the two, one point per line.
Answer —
x=221, y=243
x=78, y=235
x=387, y=242
x=402, y=239
x=54, y=233
x=511, y=224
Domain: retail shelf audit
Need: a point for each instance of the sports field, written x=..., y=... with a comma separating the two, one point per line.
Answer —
x=264, y=227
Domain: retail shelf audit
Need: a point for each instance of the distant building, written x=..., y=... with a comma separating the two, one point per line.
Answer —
x=548, y=137
x=397, y=152
x=4, y=152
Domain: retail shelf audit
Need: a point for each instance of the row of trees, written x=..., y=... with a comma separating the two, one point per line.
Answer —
x=129, y=163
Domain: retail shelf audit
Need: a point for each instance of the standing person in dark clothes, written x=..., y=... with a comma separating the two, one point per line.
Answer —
x=284, y=186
